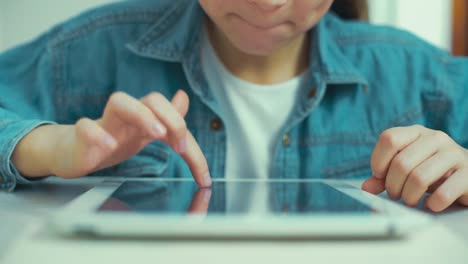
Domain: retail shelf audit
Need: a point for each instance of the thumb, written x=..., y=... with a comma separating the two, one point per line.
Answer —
x=374, y=185
x=181, y=102
x=93, y=145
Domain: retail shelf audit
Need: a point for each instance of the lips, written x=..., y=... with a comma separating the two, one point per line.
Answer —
x=260, y=27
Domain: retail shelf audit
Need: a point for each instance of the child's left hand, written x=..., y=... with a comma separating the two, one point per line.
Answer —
x=409, y=161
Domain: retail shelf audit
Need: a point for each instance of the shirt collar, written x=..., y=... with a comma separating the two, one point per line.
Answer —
x=173, y=36
x=331, y=62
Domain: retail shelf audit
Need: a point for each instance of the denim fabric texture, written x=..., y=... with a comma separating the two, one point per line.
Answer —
x=362, y=79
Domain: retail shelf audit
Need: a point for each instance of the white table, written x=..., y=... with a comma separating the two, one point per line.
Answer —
x=33, y=203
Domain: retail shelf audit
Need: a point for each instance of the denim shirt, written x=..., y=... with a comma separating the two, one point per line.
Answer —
x=362, y=79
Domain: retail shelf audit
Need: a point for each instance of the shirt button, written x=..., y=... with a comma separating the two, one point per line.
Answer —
x=286, y=140
x=312, y=93
x=216, y=124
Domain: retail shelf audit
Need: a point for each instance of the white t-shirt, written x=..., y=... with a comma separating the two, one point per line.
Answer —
x=253, y=115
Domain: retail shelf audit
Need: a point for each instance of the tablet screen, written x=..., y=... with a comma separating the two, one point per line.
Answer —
x=182, y=197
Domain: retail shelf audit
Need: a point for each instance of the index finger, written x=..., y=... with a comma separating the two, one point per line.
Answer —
x=389, y=144
x=196, y=161
x=193, y=155
x=172, y=115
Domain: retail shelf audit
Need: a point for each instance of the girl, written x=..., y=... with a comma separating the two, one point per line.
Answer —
x=278, y=89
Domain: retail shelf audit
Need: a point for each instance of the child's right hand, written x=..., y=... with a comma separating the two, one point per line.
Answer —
x=125, y=128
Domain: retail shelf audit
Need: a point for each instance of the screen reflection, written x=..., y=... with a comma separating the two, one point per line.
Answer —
x=182, y=197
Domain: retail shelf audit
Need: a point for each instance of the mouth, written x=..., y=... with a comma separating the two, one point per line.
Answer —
x=261, y=27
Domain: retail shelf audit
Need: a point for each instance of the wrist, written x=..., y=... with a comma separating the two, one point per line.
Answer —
x=57, y=137
x=34, y=154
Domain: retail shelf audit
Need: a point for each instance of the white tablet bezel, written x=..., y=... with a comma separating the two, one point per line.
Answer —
x=81, y=217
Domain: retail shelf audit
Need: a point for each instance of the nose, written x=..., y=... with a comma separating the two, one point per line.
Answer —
x=268, y=5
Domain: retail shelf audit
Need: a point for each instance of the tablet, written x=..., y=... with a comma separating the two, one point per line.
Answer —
x=168, y=208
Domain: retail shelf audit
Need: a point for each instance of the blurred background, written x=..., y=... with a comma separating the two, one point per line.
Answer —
x=441, y=22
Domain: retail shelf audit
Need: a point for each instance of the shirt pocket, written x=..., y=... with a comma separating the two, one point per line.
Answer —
x=347, y=154
x=349, y=169
x=151, y=161
x=340, y=156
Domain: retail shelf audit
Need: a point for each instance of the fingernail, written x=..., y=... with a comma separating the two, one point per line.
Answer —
x=110, y=142
x=182, y=145
x=207, y=179
x=159, y=129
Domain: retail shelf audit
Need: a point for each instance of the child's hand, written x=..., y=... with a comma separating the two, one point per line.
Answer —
x=409, y=161
x=126, y=127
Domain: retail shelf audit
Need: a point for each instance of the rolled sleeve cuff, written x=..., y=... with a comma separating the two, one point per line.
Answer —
x=10, y=135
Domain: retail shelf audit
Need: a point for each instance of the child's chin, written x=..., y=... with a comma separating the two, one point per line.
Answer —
x=257, y=49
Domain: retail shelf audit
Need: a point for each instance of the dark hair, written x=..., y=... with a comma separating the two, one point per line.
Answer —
x=351, y=9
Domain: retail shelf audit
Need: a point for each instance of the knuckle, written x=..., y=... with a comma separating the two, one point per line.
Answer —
x=454, y=154
x=145, y=100
x=117, y=100
x=416, y=179
x=400, y=164
x=418, y=126
x=389, y=139
x=156, y=97
x=117, y=96
x=82, y=121
x=81, y=125
x=441, y=136
x=458, y=154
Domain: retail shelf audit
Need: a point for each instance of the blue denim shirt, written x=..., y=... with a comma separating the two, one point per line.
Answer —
x=362, y=80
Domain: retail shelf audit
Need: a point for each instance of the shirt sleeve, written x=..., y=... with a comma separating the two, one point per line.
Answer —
x=26, y=101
